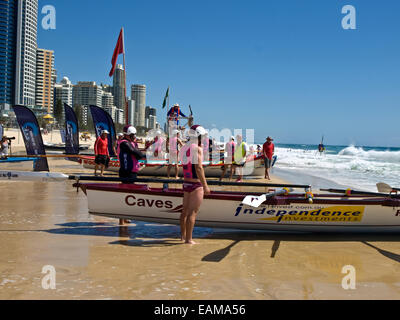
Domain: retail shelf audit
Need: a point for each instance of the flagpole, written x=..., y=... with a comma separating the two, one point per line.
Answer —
x=126, y=100
x=169, y=129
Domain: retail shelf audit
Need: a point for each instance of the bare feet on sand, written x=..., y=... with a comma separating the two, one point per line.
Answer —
x=190, y=242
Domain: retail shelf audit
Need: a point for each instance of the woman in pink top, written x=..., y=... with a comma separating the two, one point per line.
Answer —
x=195, y=184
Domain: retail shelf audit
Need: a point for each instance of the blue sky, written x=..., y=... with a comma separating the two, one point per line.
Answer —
x=286, y=68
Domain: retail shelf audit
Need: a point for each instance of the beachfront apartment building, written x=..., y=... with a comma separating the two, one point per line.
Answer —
x=84, y=94
x=138, y=94
x=131, y=111
x=44, y=93
x=87, y=93
x=107, y=100
x=18, y=48
x=63, y=92
x=25, y=82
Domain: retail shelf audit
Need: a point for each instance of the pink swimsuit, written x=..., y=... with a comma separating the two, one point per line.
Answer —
x=189, y=169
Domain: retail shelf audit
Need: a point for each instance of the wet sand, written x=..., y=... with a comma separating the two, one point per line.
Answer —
x=48, y=224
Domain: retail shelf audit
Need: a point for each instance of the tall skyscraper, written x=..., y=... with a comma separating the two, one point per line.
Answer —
x=138, y=93
x=18, y=45
x=26, y=48
x=131, y=111
x=44, y=79
x=119, y=87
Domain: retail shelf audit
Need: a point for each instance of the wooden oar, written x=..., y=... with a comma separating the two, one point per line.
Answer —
x=32, y=176
x=210, y=182
x=255, y=201
x=49, y=156
x=361, y=193
x=384, y=187
x=9, y=175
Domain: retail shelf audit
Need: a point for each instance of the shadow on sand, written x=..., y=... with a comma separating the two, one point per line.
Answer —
x=165, y=235
x=277, y=238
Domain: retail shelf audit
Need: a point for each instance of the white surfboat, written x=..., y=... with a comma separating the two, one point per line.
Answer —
x=223, y=209
x=254, y=167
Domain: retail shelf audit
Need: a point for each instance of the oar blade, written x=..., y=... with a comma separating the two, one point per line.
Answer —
x=384, y=187
x=254, y=201
x=32, y=176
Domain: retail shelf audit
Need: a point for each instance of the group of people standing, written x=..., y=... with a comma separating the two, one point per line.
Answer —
x=190, y=152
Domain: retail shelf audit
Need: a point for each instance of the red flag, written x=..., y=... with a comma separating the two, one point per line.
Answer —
x=119, y=48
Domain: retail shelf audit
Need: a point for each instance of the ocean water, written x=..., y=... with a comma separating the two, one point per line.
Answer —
x=357, y=167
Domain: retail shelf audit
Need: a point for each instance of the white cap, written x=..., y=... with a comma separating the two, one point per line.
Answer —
x=104, y=131
x=197, y=131
x=232, y=138
x=130, y=130
x=120, y=134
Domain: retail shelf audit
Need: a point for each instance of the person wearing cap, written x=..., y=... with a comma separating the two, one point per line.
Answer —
x=228, y=161
x=174, y=143
x=268, y=153
x=128, y=155
x=174, y=113
x=195, y=183
x=102, y=156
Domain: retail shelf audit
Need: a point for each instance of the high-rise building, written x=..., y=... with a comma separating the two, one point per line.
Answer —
x=119, y=87
x=131, y=111
x=152, y=122
x=107, y=100
x=18, y=45
x=63, y=92
x=8, y=38
x=87, y=93
x=110, y=109
x=26, y=49
x=149, y=111
x=44, y=79
x=119, y=116
x=107, y=88
x=138, y=93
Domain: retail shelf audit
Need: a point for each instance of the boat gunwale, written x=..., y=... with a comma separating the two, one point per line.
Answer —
x=239, y=195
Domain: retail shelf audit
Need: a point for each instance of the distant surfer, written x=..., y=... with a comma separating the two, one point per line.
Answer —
x=321, y=147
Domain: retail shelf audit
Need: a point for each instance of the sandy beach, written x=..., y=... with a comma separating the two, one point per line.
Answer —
x=48, y=224
x=94, y=258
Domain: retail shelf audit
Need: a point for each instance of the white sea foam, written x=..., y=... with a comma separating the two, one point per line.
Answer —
x=352, y=166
